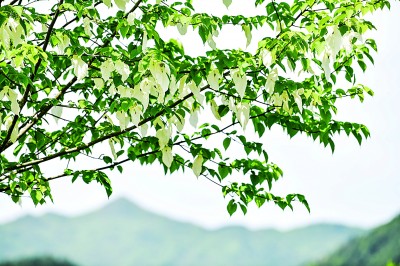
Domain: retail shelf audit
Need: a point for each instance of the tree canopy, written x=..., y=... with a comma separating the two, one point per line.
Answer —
x=75, y=75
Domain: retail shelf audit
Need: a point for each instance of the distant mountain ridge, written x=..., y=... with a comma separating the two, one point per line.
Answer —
x=378, y=247
x=124, y=234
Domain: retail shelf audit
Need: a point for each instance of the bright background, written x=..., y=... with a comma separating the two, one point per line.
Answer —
x=356, y=185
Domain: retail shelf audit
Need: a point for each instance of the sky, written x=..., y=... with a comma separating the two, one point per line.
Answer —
x=357, y=185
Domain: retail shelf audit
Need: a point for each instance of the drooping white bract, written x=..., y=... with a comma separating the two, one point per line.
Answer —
x=178, y=121
x=167, y=156
x=57, y=112
x=98, y=83
x=267, y=58
x=326, y=66
x=136, y=112
x=63, y=42
x=143, y=130
x=12, y=97
x=297, y=98
x=122, y=69
x=240, y=81
x=275, y=100
x=107, y=3
x=112, y=148
x=80, y=67
x=182, y=28
x=15, y=31
x=271, y=80
x=334, y=41
x=131, y=19
x=183, y=89
x=160, y=72
x=227, y=3
x=121, y=4
x=213, y=78
x=347, y=42
x=124, y=91
x=142, y=94
x=243, y=113
x=194, y=118
x=4, y=38
x=144, y=41
x=183, y=24
x=123, y=119
x=173, y=87
x=247, y=32
x=106, y=68
x=86, y=26
x=285, y=101
x=211, y=42
x=197, y=165
x=196, y=91
x=214, y=109
x=163, y=135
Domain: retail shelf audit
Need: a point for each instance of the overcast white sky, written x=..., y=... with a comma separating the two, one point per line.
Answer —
x=357, y=186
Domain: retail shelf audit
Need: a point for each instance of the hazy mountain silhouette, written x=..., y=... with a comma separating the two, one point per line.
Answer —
x=378, y=247
x=124, y=234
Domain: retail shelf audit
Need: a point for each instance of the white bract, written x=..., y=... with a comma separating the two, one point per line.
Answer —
x=106, y=68
x=167, y=156
x=136, y=113
x=63, y=42
x=122, y=69
x=227, y=3
x=12, y=97
x=214, y=109
x=325, y=64
x=80, y=67
x=15, y=31
x=98, y=83
x=123, y=119
x=160, y=72
x=271, y=80
x=112, y=148
x=131, y=19
x=297, y=98
x=247, y=32
x=213, y=78
x=240, y=81
x=87, y=26
x=107, y=3
x=267, y=58
x=194, y=118
x=57, y=112
x=163, y=135
x=121, y=4
x=197, y=165
x=196, y=91
x=334, y=41
x=243, y=113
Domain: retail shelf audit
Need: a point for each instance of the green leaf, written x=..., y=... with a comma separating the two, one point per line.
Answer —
x=226, y=143
x=231, y=207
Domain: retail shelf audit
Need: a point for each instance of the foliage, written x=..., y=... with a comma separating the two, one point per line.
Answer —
x=106, y=74
x=379, y=247
x=137, y=237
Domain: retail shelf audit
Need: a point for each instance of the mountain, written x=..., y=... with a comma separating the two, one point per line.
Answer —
x=378, y=247
x=123, y=234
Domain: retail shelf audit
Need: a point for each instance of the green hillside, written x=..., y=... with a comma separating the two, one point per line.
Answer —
x=378, y=247
x=123, y=234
